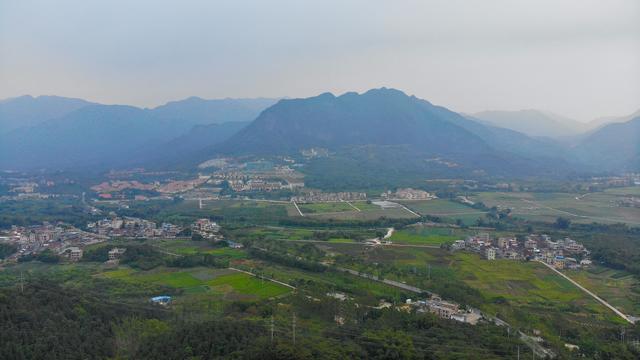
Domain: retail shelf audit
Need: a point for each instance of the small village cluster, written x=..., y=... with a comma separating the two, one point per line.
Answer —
x=68, y=242
x=60, y=238
x=446, y=310
x=133, y=227
x=258, y=176
x=434, y=305
x=313, y=196
x=208, y=229
x=561, y=254
x=408, y=194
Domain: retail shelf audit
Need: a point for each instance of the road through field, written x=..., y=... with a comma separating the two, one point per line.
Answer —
x=353, y=206
x=359, y=243
x=599, y=299
x=264, y=278
x=297, y=208
x=577, y=215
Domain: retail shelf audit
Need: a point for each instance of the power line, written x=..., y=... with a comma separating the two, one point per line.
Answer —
x=294, y=328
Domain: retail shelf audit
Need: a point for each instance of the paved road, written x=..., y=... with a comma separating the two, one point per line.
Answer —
x=297, y=208
x=384, y=281
x=353, y=206
x=599, y=299
x=580, y=216
x=411, y=211
x=360, y=243
x=265, y=278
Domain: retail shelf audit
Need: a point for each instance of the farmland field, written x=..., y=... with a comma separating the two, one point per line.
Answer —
x=226, y=283
x=344, y=211
x=190, y=247
x=325, y=207
x=426, y=236
x=528, y=294
x=525, y=294
x=586, y=208
x=619, y=288
x=394, y=213
x=441, y=208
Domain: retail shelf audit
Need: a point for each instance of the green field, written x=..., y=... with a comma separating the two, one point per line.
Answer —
x=366, y=291
x=189, y=247
x=231, y=210
x=633, y=191
x=593, y=207
x=529, y=295
x=619, y=288
x=525, y=294
x=364, y=215
x=445, y=209
x=426, y=236
x=227, y=284
x=325, y=207
x=365, y=206
x=344, y=211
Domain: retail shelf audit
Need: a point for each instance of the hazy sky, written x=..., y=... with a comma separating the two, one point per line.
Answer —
x=579, y=58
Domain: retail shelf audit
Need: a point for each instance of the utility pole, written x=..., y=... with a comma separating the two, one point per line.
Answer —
x=272, y=328
x=21, y=283
x=294, y=328
x=518, y=352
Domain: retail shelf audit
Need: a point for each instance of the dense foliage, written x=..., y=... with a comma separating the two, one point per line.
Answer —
x=7, y=249
x=46, y=321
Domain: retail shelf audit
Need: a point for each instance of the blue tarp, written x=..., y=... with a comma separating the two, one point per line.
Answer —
x=161, y=299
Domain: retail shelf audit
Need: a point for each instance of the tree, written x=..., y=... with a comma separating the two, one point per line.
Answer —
x=562, y=223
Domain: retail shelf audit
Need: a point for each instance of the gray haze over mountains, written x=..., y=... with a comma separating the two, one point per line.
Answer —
x=374, y=129
x=56, y=132
x=540, y=123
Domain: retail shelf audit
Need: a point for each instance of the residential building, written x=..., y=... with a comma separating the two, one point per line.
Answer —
x=73, y=253
x=490, y=253
x=116, y=253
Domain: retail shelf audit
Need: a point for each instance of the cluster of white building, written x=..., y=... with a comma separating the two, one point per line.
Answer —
x=133, y=227
x=207, y=229
x=60, y=238
x=408, y=194
x=314, y=196
x=446, y=310
x=563, y=253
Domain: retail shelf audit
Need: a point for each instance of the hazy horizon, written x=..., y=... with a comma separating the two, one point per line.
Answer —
x=579, y=59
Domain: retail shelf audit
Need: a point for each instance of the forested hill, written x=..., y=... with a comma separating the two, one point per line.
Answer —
x=387, y=124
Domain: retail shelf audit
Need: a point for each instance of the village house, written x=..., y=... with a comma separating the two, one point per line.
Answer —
x=116, y=253
x=490, y=253
x=73, y=253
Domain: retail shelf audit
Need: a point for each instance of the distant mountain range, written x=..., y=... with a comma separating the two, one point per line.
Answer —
x=533, y=122
x=613, y=147
x=27, y=110
x=199, y=111
x=57, y=132
x=379, y=131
